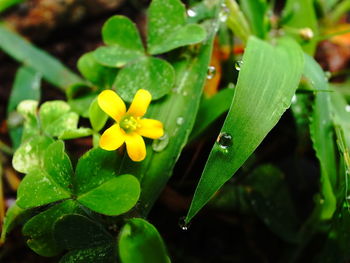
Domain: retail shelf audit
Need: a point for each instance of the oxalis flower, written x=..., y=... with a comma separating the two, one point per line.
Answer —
x=130, y=125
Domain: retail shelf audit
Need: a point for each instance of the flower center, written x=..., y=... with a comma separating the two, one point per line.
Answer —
x=129, y=124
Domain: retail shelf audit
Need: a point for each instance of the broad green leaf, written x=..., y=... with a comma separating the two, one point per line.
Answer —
x=113, y=197
x=30, y=154
x=40, y=228
x=101, y=254
x=322, y=135
x=94, y=168
x=98, y=117
x=167, y=28
x=140, y=242
x=153, y=74
x=99, y=75
x=78, y=232
x=271, y=200
x=267, y=81
x=300, y=14
x=123, y=40
x=26, y=87
x=31, y=127
x=57, y=117
x=48, y=184
x=49, y=67
x=5, y=4
x=182, y=104
x=121, y=31
x=255, y=11
x=14, y=216
x=210, y=109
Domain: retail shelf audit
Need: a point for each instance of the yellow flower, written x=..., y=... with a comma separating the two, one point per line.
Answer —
x=130, y=125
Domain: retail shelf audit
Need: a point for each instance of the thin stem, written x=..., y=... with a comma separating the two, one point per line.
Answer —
x=6, y=149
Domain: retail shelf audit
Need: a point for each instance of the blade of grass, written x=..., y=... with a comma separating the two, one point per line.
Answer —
x=267, y=81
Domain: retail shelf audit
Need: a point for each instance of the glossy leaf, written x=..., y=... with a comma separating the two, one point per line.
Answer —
x=49, y=67
x=77, y=133
x=100, y=254
x=26, y=87
x=267, y=81
x=140, y=242
x=167, y=28
x=113, y=197
x=255, y=10
x=98, y=117
x=115, y=56
x=95, y=72
x=40, y=187
x=39, y=229
x=30, y=154
x=322, y=135
x=152, y=74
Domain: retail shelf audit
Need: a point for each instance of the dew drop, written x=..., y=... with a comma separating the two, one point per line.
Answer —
x=327, y=75
x=231, y=86
x=160, y=144
x=191, y=13
x=347, y=108
x=180, y=121
x=294, y=99
x=223, y=15
x=182, y=224
x=238, y=65
x=211, y=72
x=224, y=140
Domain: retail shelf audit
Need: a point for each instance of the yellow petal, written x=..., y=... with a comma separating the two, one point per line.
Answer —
x=112, y=138
x=150, y=128
x=135, y=147
x=140, y=103
x=112, y=104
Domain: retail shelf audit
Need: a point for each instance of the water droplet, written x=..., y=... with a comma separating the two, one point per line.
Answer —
x=211, y=72
x=294, y=99
x=191, y=13
x=182, y=223
x=347, y=108
x=231, y=86
x=306, y=33
x=223, y=15
x=327, y=75
x=238, y=65
x=224, y=140
x=160, y=144
x=180, y=120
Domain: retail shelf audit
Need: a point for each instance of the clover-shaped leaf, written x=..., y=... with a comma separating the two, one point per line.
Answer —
x=167, y=27
x=95, y=184
x=123, y=40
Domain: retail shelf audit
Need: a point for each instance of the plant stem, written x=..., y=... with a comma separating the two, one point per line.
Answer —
x=6, y=149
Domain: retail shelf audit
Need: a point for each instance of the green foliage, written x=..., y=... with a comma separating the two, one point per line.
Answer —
x=140, y=242
x=267, y=81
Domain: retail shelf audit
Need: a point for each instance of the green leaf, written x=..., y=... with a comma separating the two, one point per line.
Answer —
x=39, y=229
x=167, y=28
x=99, y=187
x=77, y=133
x=255, y=11
x=114, y=197
x=272, y=202
x=30, y=154
x=98, y=117
x=81, y=104
x=322, y=136
x=26, y=87
x=31, y=127
x=100, y=254
x=94, y=72
x=210, y=109
x=299, y=14
x=78, y=232
x=5, y=4
x=140, y=242
x=57, y=117
x=124, y=42
x=49, y=67
x=153, y=74
x=266, y=83
x=44, y=186
x=14, y=216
